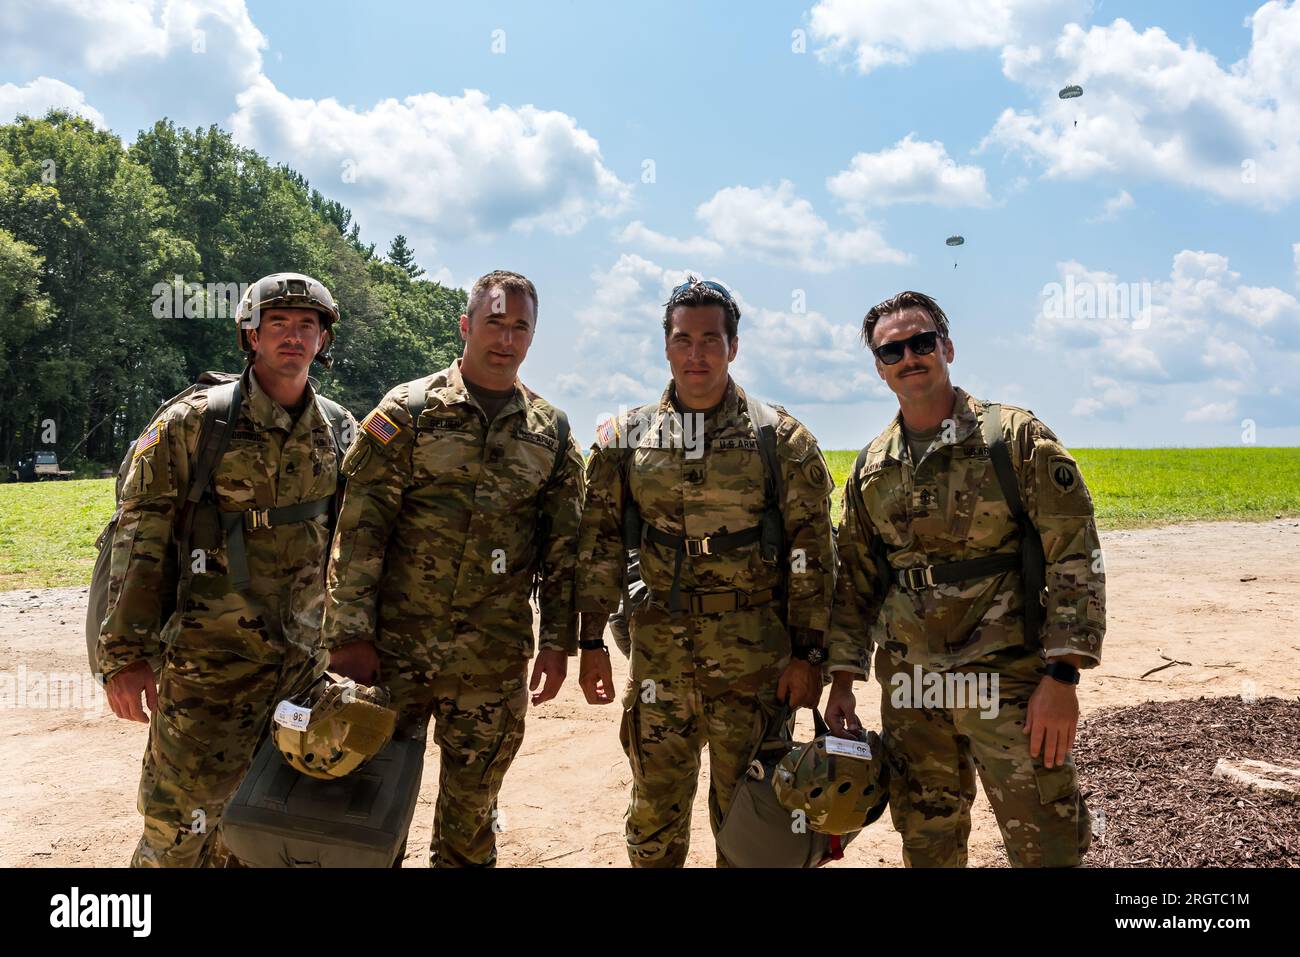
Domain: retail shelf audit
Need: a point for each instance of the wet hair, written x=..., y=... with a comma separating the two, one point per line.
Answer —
x=904, y=300
x=697, y=293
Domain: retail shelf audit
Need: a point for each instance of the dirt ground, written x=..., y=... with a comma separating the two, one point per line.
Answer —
x=67, y=796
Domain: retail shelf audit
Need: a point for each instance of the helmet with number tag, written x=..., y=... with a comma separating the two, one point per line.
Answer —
x=334, y=728
x=840, y=784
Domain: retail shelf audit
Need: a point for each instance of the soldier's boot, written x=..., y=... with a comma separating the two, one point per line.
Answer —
x=478, y=727
x=662, y=739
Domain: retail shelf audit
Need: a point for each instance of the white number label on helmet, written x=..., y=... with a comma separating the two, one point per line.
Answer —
x=292, y=716
x=847, y=748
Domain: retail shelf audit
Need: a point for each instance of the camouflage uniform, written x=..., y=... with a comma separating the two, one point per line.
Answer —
x=231, y=656
x=946, y=508
x=438, y=540
x=703, y=677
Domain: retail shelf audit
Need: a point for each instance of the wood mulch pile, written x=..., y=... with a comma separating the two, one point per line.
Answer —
x=1146, y=773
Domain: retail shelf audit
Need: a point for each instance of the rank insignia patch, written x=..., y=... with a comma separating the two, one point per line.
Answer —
x=380, y=427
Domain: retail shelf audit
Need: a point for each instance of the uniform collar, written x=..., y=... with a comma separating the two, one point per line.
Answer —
x=455, y=392
x=965, y=413
x=728, y=408
x=266, y=413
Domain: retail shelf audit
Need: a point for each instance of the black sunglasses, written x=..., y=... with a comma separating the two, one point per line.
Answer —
x=921, y=344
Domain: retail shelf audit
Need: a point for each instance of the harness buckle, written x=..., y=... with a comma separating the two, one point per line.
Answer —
x=257, y=518
x=697, y=546
x=915, y=579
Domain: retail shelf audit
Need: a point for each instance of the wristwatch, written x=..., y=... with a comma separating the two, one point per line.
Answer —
x=594, y=644
x=813, y=654
x=1063, y=672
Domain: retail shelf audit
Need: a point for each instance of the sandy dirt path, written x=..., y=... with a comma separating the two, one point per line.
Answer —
x=67, y=795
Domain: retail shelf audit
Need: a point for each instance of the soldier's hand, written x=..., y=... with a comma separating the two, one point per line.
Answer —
x=800, y=685
x=124, y=691
x=841, y=707
x=596, y=676
x=554, y=665
x=1052, y=720
x=357, y=660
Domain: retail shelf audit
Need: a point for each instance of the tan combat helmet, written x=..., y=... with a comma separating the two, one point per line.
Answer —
x=345, y=725
x=287, y=290
x=841, y=785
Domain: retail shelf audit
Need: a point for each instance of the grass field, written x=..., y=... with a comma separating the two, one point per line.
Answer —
x=48, y=529
x=1135, y=487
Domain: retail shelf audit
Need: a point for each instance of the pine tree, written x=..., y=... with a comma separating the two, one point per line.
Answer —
x=402, y=255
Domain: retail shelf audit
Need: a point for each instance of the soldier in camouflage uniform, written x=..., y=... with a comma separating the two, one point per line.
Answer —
x=462, y=488
x=232, y=654
x=925, y=495
x=728, y=630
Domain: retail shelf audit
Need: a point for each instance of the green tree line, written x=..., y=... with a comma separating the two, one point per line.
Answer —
x=95, y=330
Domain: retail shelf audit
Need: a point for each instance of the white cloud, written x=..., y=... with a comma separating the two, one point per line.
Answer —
x=1212, y=412
x=638, y=234
x=43, y=94
x=894, y=31
x=1113, y=206
x=181, y=58
x=451, y=163
x=805, y=356
x=910, y=171
x=771, y=224
x=1220, y=344
x=1162, y=110
x=1295, y=255
x=443, y=166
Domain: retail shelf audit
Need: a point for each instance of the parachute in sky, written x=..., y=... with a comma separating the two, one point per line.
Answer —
x=1071, y=92
x=955, y=241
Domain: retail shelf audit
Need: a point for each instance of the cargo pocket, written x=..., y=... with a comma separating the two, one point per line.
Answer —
x=1055, y=784
x=509, y=733
x=629, y=731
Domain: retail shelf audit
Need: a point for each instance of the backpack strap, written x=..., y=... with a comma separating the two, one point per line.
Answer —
x=765, y=420
x=218, y=427
x=544, y=520
x=416, y=399
x=1032, y=558
x=337, y=417
x=879, y=550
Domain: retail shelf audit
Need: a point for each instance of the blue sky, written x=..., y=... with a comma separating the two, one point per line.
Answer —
x=814, y=183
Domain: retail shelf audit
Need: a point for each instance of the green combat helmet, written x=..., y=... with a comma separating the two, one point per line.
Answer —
x=334, y=728
x=841, y=785
x=287, y=290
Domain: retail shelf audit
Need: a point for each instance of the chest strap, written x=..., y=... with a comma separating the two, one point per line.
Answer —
x=711, y=545
x=236, y=523
x=927, y=576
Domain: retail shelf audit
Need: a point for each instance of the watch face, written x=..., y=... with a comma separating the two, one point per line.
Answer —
x=815, y=656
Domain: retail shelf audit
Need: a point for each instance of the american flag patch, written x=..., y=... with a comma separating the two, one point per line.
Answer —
x=607, y=432
x=148, y=440
x=380, y=427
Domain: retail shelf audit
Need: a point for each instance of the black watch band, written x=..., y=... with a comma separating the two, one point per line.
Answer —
x=594, y=644
x=1063, y=672
x=813, y=654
